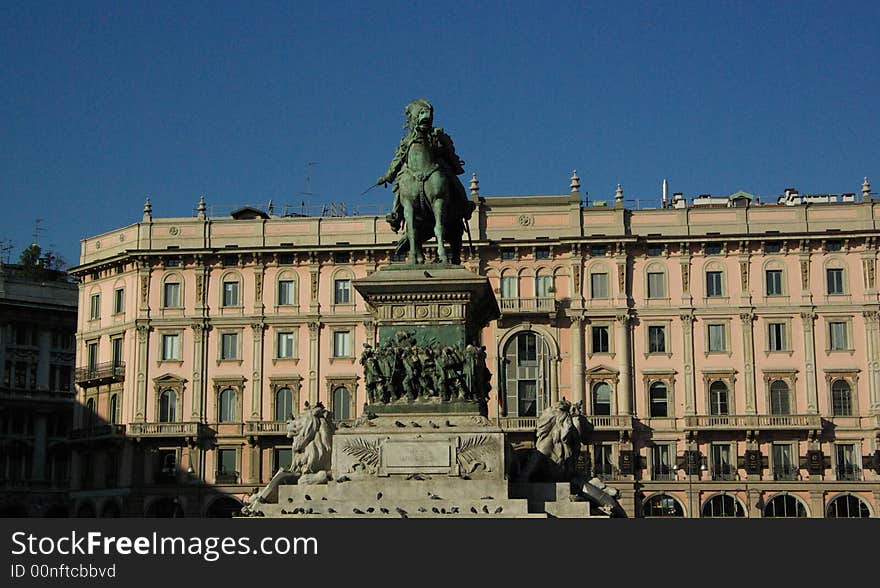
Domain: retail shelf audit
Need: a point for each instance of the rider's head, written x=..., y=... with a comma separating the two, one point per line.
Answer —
x=419, y=113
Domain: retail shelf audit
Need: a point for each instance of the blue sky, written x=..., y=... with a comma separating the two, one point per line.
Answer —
x=104, y=104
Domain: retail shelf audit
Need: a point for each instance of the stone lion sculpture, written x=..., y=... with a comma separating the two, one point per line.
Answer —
x=557, y=443
x=312, y=434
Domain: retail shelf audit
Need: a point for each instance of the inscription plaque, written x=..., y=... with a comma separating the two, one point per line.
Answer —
x=418, y=456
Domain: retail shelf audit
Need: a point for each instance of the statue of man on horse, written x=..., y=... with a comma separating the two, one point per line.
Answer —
x=429, y=199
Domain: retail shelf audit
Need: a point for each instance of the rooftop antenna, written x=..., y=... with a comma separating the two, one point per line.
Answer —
x=665, y=192
x=6, y=247
x=308, y=193
x=37, y=231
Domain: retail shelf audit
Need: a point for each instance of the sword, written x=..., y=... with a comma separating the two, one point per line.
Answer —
x=370, y=188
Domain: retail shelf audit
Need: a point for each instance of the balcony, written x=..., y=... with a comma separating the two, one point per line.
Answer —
x=226, y=478
x=276, y=428
x=544, y=305
x=606, y=472
x=664, y=474
x=849, y=473
x=164, y=430
x=101, y=373
x=98, y=433
x=723, y=472
x=763, y=422
x=614, y=422
x=786, y=473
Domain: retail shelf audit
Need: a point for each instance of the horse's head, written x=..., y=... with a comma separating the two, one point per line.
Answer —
x=419, y=115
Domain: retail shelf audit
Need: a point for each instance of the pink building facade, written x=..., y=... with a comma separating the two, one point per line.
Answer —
x=727, y=356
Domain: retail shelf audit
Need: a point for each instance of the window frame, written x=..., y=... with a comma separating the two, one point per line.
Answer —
x=847, y=332
x=228, y=280
x=610, y=334
x=95, y=306
x=162, y=337
x=725, y=332
x=119, y=301
x=605, y=276
x=722, y=286
x=172, y=280
x=220, y=344
x=351, y=343
x=294, y=336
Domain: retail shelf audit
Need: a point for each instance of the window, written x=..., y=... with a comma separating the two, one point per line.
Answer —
x=656, y=339
x=527, y=349
x=113, y=412
x=283, y=404
x=834, y=280
x=341, y=257
x=118, y=301
x=661, y=462
x=719, y=399
x=508, y=286
x=542, y=253
x=659, y=399
x=780, y=399
x=285, y=293
x=773, y=281
x=833, y=245
x=722, y=465
x=543, y=286
x=95, y=307
x=228, y=412
x=172, y=294
x=784, y=467
x=773, y=247
x=654, y=251
x=285, y=346
x=229, y=346
x=599, y=250
x=341, y=343
x=525, y=373
x=841, y=398
x=168, y=406
x=714, y=286
x=230, y=293
x=602, y=399
x=723, y=505
x=717, y=338
x=848, y=506
x=714, y=249
x=603, y=464
x=599, y=285
x=342, y=291
x=600, y=339
x=847, y=460
x=281, y=458
x=226, y=465
x=785, y=505
x=662, y=505
x=776, y=336
x=167, y=459
x=171, y=347
x=116, y=351
x=92, y=356
x=341, y=403
x=838, y=336
x=656, y=285
x=508, y=254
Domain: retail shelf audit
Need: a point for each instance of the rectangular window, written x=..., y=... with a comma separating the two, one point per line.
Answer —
x=717, y=339
x=118, y=301
x=226, y=462
x=95, y=307
x=230, y=293
x=776, y=337
x=834, y=280
x=171, y=347
x=838, y=338
x=527, y=349
x=341, y=343
x=656, y=285
x=599, y=285
x=600, y=339
x=229, y=346
x=116, y=348
x=654, y=251
x=542, y=253
x=713, y=284
x=285, y=345
x=527, y=398
x=774, y=247
x=783, y=462
x=342, y=291
x=661, y=462
x=603, y=466
x=598, y=250
x=281, y=458
x=285, y=292
x=773, y=279
x=92, y=355
x=508, y=254
x=713, y=249
x=722, y=465
x=172, y=294
x=656, y=339
x=847, y=460
x=508, y=287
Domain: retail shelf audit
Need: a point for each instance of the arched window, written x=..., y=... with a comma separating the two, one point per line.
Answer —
x=543, y=284
x=526, y=372
x=114, y=409
x=341, y=403
x=659, y=399
x=602, y=398
x=286, y=294
x=848, y=506
x=719, y=398
x=785, y=505
x=509, y=285
x=283, y=404
x=171, y=292
x=662, y=505
x=230, y=294
x=228, y=406
x=841, y=398
x=723, y=505
x=780, y=399
x=655, y=280
x=342, y=288
x=168, y=406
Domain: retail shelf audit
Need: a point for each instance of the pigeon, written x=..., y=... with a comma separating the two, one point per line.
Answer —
x=383, y=510
x=415, y=424
x=433, y=425
x=310, y=511
x=449, y=423
x=454, y=510
x=442, y=511
x=342, y=479
x=401, y=512
x=399, y=424
x=486, y=498
x=499, y=509
x=423, y=509
x=434, y=496
x=427, y=275
x=485, y=509
x=307, y=497
x=371, y=510
x=474, y=510
x=323, y=498
x=357, y=511
x=331, y=510
x=378, y=496
x=290, y=500
x=435, y=510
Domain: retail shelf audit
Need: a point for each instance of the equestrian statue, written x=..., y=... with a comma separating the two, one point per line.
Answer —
x=429, y=199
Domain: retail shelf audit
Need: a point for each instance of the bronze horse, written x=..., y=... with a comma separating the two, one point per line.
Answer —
x=428, y=196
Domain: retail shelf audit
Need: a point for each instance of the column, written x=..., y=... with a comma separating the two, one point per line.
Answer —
x=577, y=359
x=314, y=360
x=872, y=324
x=687, y=327
x=624, y=388
x=44, y=361
x=748, y=338
x=253, y=473
x=143, y=338
x=38, y=455
x=198, y=383
x=810, y=368
x=257, y=372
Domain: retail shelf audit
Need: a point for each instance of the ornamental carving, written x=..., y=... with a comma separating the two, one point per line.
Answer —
x=744, y=275
x=525, y=220
x=805, y=274
x=685, y=277
x=258, y=285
